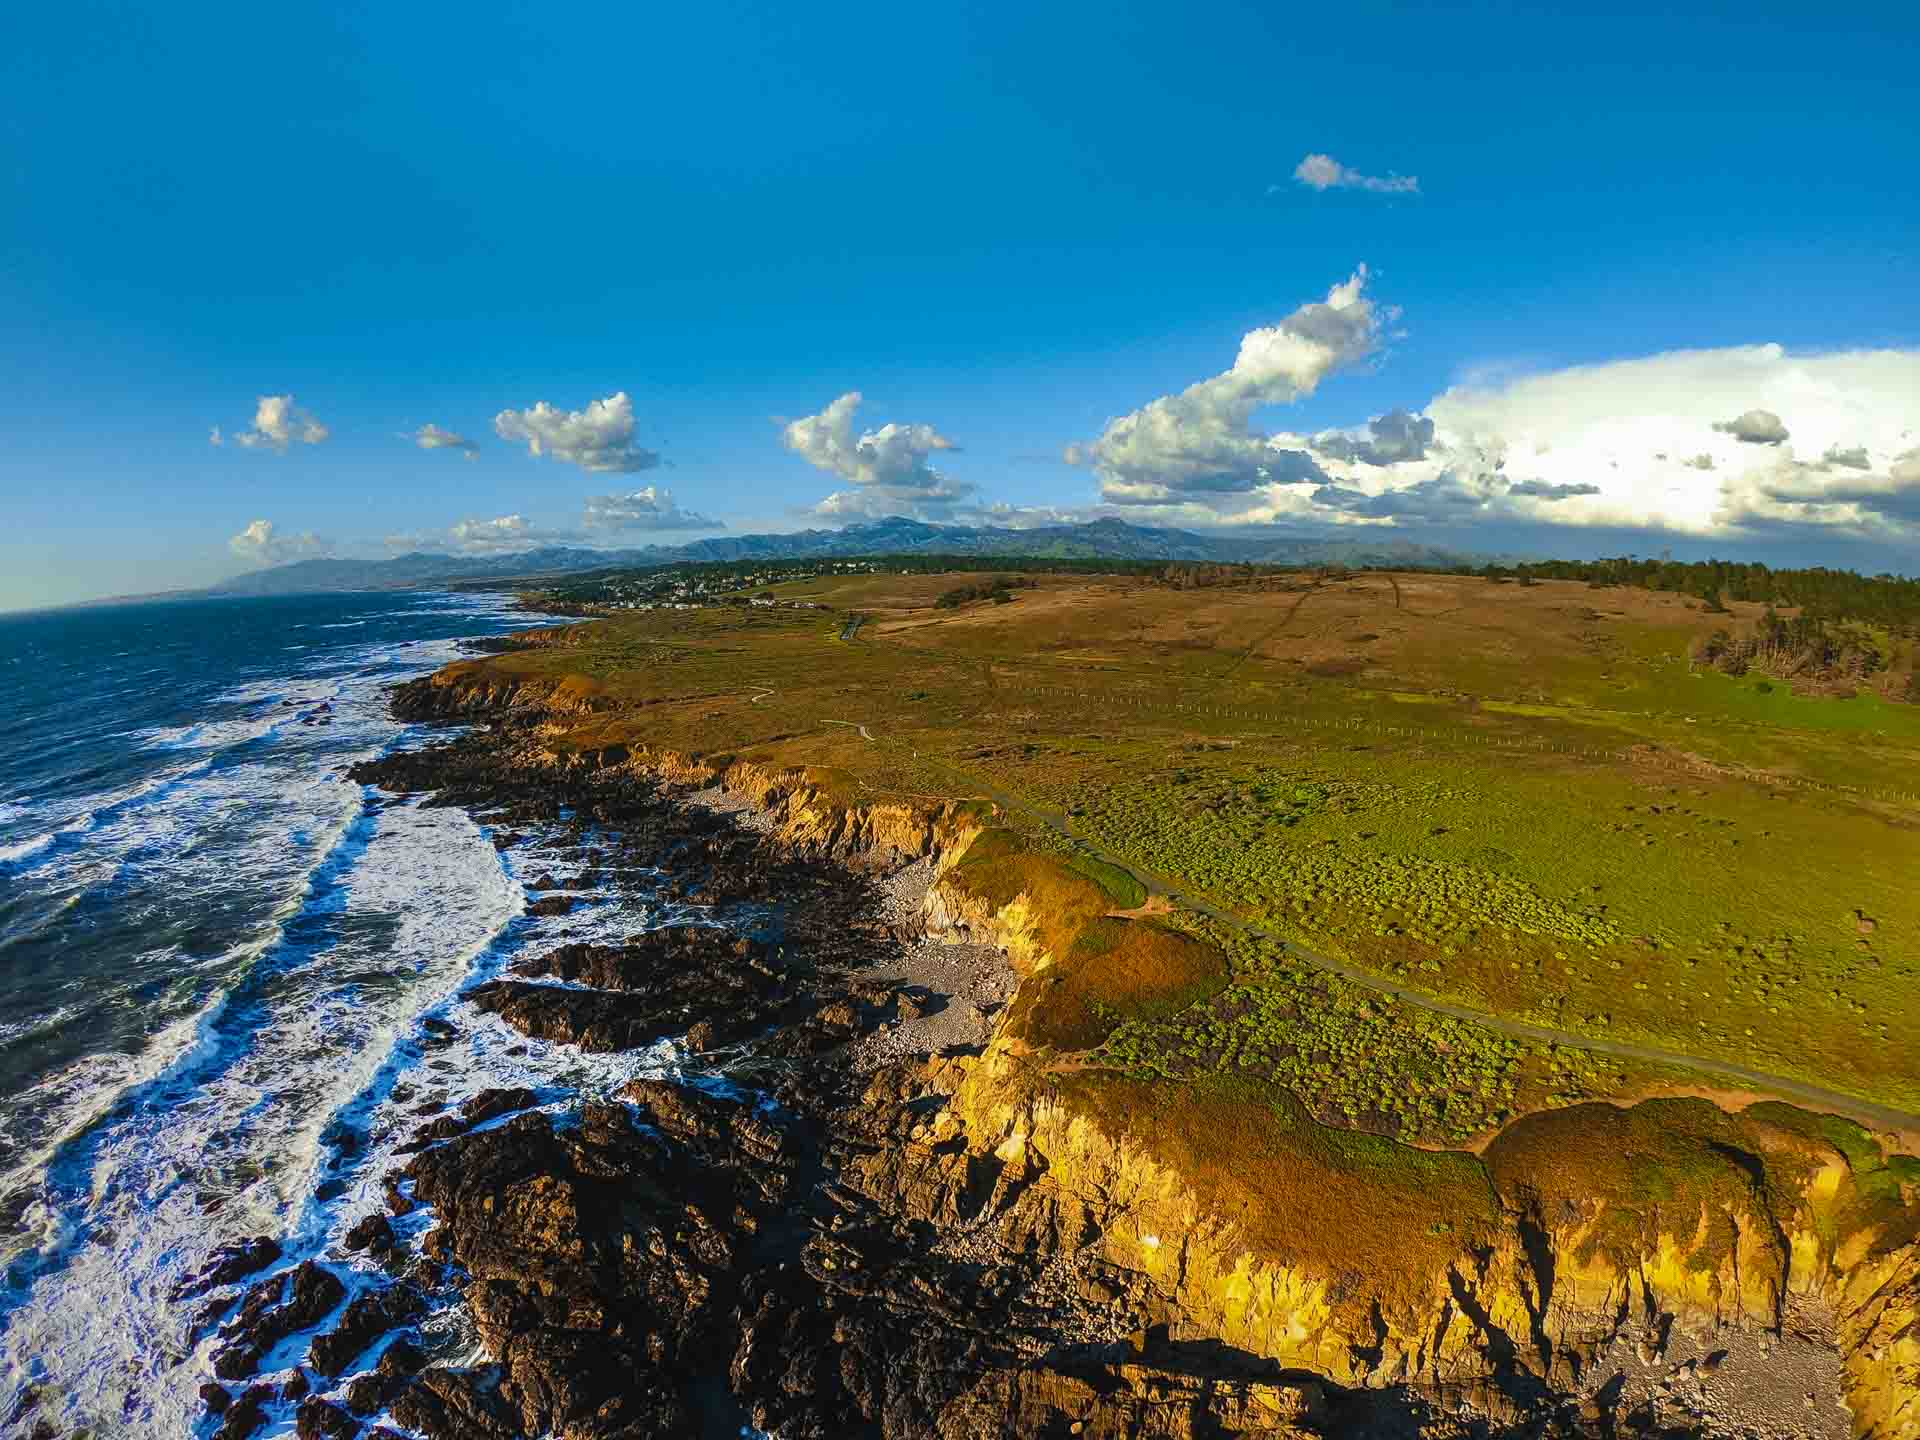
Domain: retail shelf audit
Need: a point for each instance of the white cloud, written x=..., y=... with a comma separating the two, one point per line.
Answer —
x=605, y=516
x=506, y=530
x=1323, y=172
x=1874, y=506
x=215, y=438
x=1613, y=445
x=279, y=422
x=598, y=438
x=890, y=468
x=1201, y=442
x=501, y=535
x=261, y=544
x=432, y=437
x=1390, y=439
x=648, y=508
x=1755, y=427
x=1594, y=418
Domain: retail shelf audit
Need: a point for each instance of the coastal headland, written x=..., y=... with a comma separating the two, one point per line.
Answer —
x=1344, y=1004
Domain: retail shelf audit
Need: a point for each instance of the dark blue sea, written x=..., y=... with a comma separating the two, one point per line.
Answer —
x=215, y=955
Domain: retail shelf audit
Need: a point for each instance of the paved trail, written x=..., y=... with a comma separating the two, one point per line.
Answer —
x=1866, y=1112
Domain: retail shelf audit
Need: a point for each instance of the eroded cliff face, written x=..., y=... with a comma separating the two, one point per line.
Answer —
x=1585, y=1232
x=1568, y=1263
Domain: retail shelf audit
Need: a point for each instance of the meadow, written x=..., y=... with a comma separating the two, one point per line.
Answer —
x=1525, y=800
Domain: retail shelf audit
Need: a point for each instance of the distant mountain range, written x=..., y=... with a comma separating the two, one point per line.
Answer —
x=1098, y=539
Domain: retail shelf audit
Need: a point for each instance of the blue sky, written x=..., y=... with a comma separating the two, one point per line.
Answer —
x=1004, y=229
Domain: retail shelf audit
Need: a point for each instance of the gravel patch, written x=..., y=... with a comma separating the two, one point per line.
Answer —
x=722, y=801
x=1734, y=1385
x=952, y=990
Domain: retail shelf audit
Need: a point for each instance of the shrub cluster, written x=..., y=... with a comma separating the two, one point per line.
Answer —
x=1802, y=648
x=999, y=590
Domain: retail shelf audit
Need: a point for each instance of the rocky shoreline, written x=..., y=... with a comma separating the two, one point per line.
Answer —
x=693, y=1259
x=799, y=1241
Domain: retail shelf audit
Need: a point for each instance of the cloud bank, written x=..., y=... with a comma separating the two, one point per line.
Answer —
x=890, y=469
x=1641, y=445
x=598, y=438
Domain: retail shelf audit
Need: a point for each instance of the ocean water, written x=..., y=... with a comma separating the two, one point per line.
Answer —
x=215, y=957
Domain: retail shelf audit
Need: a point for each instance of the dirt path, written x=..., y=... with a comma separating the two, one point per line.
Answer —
x=1267, y=634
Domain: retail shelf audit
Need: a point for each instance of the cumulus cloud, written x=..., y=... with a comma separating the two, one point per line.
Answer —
x=1392, y=438
x=501, y=535
x=648, y=508
x=215, y=438
x=1702, y=461
x=1853, y=457
x=598, y=438
x=432, y=437
x=278, y=423
x=1323, y=172
x=1201, y=442
x=506, y=531
x=890, y=468
x=1754, y=427
x=262, y=544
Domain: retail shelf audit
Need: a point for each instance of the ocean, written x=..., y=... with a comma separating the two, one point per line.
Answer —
x=216, y=957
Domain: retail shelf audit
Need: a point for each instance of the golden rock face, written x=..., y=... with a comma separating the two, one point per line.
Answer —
x=1672, y=1208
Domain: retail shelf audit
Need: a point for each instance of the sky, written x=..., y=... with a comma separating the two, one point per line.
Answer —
x=354, y=280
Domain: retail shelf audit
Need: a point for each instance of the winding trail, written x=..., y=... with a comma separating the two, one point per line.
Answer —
x=1866, y=1112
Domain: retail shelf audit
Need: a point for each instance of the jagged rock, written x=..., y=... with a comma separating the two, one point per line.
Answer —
x=374, y=1233
x=589, y=1019
x=401, y=1360
x=266, y=1319
x=457, y=1405
x=246, y=1414
x=229, y=1263
x=492, y=1104
x=321, y=1420
x=642, y=1002
x=434, y=1131
x=369, y=1316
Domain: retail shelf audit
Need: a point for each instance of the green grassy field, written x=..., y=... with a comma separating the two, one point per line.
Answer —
x=1520, y=799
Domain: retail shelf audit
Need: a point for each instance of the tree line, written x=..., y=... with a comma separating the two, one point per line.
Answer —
x=1891, y=601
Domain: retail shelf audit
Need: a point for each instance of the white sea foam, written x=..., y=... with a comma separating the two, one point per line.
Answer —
x=80, y=816
x=25, y=849
x=215, y=1127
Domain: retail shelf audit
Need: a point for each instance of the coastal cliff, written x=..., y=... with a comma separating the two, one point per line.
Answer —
x=1497, y=1279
